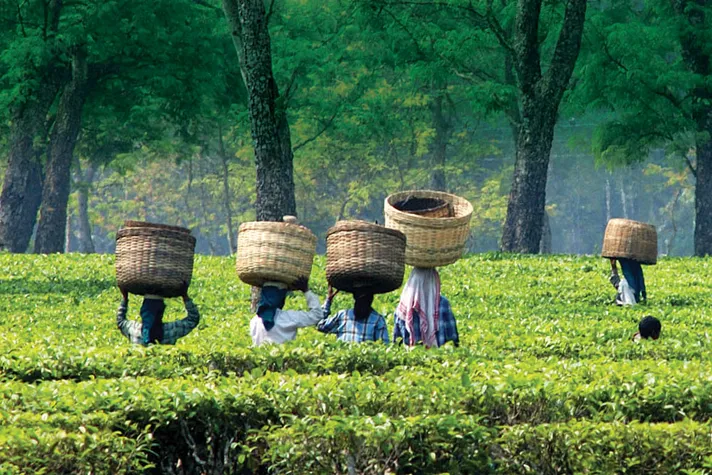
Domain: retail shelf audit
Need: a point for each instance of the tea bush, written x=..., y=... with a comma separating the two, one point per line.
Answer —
x=547, y=379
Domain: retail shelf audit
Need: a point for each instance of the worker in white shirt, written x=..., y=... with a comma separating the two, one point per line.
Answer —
x=274, y=325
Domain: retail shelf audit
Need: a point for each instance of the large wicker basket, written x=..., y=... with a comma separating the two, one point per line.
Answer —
x=431, y=242
x=364, y=257
x=632, y=240
x=154, y=258
x=269, y=251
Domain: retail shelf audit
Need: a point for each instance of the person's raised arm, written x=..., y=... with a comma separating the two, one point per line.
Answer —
x=127, y=327
x=300, y=318
x=614, y=278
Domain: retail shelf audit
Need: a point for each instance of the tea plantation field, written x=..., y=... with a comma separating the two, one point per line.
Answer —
x=546, y=381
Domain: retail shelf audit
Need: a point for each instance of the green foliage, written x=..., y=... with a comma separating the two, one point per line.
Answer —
x=546, y=380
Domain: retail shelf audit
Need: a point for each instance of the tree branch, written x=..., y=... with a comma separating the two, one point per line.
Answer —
x=270, y=10
x=567, y=50
x=324, y=128
x=690, y=166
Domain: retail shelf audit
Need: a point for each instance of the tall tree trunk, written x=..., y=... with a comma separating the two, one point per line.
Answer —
x=22, y=188
x=86, y=243
x=624, y=200
x=703, y=200
x=525, y=210
x=539, y=97
x=439, y=149
x=269, y=126
x=55, y=192
x=226, y=192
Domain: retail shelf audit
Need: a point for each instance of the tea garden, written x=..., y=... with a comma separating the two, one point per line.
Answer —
x=546, y=381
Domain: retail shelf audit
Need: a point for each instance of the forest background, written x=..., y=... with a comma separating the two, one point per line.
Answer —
x=140, y=110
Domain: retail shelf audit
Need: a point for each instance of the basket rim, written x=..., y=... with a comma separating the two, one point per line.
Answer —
x=616, y=221
x=129, y=223
x=357, y=225
x=155, y=232
x=278, y=226
x=417, y=219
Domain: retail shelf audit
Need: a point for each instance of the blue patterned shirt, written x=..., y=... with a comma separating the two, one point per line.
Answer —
x=171, y=330
x=348, y=329
x=447, y=326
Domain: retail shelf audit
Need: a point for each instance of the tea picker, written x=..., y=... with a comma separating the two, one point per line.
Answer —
x=632, y=244
x=156, y=261
x=364, y=259
x=277, y=257
x=436, y=226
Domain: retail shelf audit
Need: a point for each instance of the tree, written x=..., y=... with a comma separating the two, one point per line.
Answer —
x=649, y=65
x=513, y=41
x=271, y=138
x=55, y=192
x=150, y=56
x=30, y=82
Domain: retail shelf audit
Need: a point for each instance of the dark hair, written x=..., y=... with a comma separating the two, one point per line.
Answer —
x=649, y=327
x=362, y=306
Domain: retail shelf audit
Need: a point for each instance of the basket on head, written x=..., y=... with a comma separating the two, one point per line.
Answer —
x=154, y=258
x=269, y=251
x=431, y=241
x=364, y=257
x=629, y=239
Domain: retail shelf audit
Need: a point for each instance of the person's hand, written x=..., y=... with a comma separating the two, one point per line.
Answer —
x=301, y=284
x=332, y=293
x=614, y=267
x=124, y=293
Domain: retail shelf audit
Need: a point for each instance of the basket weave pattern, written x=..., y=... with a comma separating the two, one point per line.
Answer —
x=274, y=251
x=154, y=259
x=632, y=240
x=431, y=242
x=364, y=257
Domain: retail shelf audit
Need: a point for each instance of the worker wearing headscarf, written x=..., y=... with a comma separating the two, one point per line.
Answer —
x=272, y=324
x=151, y=328
x=423, y=314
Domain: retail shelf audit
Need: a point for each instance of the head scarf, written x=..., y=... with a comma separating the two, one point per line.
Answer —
x=152, y=320
x=271, y=299
x=421, y=295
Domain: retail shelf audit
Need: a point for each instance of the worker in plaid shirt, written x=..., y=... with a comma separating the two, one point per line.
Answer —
x=356, y=325
x=151, y=329
x=423, y=314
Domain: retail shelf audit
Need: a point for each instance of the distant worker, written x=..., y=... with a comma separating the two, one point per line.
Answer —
x=272, y=324
x=151, y=329
x=631, y=288
x=649, y=327
x=356, y=325
x=423, y=314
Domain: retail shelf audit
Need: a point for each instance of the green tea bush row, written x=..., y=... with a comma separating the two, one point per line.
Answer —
x=507, y=394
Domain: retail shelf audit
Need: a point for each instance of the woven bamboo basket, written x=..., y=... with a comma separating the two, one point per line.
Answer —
x=154, y=258
x=629, y=239
x=364, y=257
x=269, y=251
x=431, y=242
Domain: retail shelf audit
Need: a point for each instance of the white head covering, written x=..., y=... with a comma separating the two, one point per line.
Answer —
x=422, y=295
